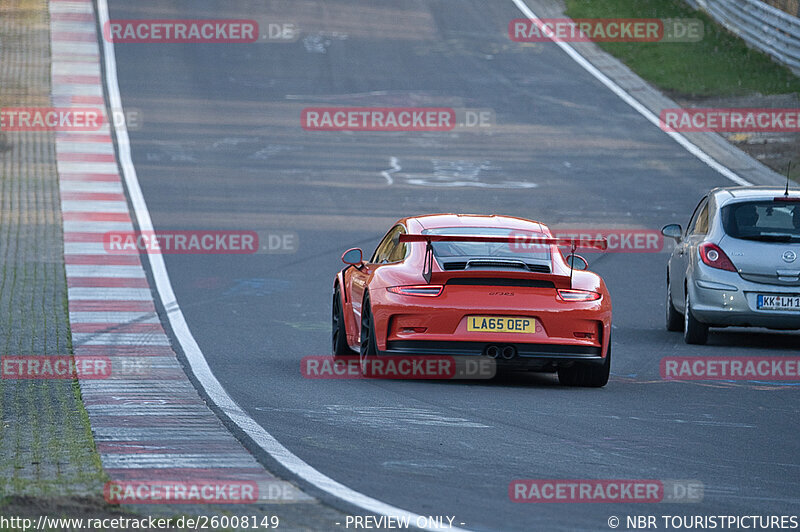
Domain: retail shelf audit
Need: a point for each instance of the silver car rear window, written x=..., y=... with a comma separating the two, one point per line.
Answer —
x=765, y=220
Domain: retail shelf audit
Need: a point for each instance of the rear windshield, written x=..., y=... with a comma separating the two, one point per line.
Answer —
x=447, y=251
x=767, y=221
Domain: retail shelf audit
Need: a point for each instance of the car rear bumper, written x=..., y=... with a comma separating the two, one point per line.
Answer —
x=725, y=299
x=560, y=328
x=526, y=355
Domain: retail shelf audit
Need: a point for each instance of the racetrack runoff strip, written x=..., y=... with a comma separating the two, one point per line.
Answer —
x=215, y=392
x=641, y=109
x=149, y=423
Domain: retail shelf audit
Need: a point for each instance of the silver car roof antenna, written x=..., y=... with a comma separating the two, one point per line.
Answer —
x=788, y=170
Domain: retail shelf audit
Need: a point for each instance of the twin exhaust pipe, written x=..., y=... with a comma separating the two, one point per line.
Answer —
x=506, y=352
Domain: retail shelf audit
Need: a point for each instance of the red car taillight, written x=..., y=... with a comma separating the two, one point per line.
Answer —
x=578, y=295
x=425, y=290
x=713, y=256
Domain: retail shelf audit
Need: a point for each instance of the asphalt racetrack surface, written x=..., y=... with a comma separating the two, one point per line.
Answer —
x=220, y=146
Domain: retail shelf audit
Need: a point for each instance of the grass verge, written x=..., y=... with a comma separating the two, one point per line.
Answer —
x=720, y=65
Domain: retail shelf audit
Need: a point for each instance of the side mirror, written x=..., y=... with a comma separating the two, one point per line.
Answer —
x=352, y=256
x=576, y=262
x=672, y=231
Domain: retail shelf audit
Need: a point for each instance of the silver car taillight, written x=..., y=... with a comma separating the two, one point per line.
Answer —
x=712, y=255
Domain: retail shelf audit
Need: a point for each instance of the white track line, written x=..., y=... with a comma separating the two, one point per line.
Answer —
x=395, y=167
x=194, y=355
x=641, y=109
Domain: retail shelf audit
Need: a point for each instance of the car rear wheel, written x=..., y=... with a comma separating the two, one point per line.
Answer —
x=338, y=331
x=369, y=346
x=694, y=332
x=586, y=375
x=674, y=318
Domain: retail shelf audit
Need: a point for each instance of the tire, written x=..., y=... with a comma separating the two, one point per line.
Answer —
x=674, y=318
x=586, y=375
x=369, y=347
x=694, y=332
x=339, y=347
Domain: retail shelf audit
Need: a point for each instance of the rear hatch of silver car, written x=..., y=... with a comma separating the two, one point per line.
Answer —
x=762, y=239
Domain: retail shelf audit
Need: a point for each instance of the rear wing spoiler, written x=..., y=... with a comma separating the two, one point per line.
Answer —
x=593, y=243
x=521, y=239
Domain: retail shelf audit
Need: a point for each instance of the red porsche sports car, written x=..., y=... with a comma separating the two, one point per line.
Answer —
x=473, y=285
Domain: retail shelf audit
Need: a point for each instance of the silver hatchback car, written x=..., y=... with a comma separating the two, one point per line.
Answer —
x=736, y=263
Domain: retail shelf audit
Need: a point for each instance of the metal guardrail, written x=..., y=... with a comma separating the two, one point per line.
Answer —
x=760, y=25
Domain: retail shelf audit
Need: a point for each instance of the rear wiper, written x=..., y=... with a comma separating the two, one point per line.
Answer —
x=772, y=238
